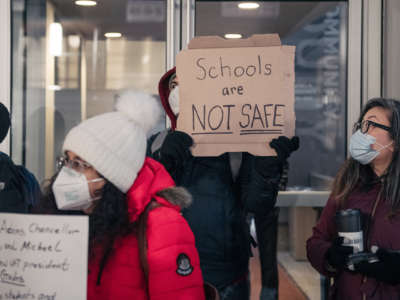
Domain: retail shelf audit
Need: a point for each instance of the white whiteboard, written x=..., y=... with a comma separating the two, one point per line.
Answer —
x=43, y=257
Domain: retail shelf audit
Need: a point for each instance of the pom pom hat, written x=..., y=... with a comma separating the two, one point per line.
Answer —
x=115, y=143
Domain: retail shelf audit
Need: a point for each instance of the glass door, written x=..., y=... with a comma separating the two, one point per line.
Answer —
x=70, y=61
x=319, y=30
x=325, y=105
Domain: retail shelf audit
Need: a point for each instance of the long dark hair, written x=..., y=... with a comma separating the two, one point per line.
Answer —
x=108, y=220
x=352, y=173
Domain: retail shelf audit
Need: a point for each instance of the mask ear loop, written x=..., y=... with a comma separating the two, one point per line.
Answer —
x=96, y=180
x=382, y=146
x=97, y=193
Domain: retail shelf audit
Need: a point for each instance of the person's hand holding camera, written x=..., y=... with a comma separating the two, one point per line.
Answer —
x=337, y=255
x=386, y=270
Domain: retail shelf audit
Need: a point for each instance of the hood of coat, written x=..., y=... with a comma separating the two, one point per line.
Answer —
x=163, y=90
x=154, y=182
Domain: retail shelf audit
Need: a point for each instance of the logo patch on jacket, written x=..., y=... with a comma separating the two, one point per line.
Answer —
x=184, y=266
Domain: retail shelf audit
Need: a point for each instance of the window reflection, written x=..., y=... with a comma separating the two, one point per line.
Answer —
x=318, y=29
x=320, y=92
x=69, y=71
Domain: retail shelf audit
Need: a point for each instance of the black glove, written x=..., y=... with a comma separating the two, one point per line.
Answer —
x=285, y=146
x=175, y=150
x=337, y=254
x=387, y=270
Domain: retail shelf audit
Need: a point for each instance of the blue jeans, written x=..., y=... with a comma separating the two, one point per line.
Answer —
x=236, y=291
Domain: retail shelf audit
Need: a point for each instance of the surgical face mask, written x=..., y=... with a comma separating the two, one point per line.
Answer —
x=71, y=190
x=360, y=147
x=173, y=100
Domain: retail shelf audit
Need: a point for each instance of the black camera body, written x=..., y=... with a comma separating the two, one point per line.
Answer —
x=361, y=257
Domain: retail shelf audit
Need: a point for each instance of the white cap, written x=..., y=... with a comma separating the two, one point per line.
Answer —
x=115, y=143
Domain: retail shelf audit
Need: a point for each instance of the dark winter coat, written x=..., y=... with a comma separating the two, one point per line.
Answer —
x=19, y=190
x=384, y=232
x=173, y=263
x=217, y=215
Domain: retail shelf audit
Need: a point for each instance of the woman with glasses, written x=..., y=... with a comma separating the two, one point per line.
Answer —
x=140, y=247
x=370, y=182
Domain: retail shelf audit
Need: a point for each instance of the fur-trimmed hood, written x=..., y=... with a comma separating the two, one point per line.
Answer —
x=178, y=196
x=154, y=182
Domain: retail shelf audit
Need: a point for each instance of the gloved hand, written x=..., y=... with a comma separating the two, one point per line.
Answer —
x=285, y=146
x=337, y=254
x=175, y=150
x=387, y=270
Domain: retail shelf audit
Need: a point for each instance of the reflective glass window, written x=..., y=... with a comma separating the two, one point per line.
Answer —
x=318, y=29
x=71, y=62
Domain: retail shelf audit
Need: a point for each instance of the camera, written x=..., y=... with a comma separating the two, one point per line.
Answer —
x=361, y=257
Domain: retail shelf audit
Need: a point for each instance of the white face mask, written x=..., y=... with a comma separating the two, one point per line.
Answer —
x=173, y=100
x=360, y=147
x=71, y=190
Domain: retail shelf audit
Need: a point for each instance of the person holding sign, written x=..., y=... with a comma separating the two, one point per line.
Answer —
x=365, y=264
x=224, y=189
x=140, y=247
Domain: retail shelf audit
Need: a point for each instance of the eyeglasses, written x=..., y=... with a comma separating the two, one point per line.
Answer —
x=364, y=126
x=75, y=164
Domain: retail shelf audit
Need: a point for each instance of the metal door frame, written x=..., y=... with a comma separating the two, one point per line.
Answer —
x=5, y=63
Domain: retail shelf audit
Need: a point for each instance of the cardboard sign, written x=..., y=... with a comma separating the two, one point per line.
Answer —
x=236, y=95
x=43, y=257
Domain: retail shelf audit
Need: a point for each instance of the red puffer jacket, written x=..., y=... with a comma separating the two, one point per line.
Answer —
x=173, y=261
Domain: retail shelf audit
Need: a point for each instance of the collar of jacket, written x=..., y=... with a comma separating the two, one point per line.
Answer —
x=151, y=179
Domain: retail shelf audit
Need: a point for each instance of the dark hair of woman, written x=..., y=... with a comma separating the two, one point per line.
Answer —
x=108, y=220
x=353, y=174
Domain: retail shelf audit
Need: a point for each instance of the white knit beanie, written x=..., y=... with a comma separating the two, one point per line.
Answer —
x=115, y=143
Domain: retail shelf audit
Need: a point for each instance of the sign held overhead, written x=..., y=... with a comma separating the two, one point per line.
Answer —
x=236, y=95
